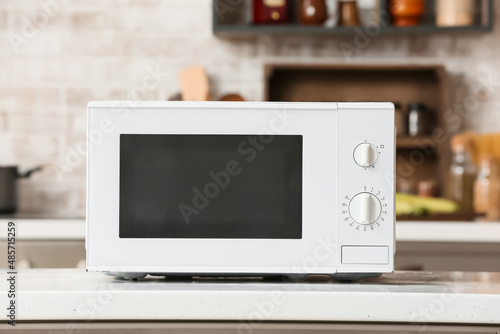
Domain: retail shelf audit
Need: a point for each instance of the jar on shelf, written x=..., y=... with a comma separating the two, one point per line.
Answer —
x=487, y=187
x=348, y=13
x=417, y=119
x=238, y=14
x=454, y=13
x=270, y=11
x=368, y=12
x=462, y=173
x=406, y=13
x=426, y=188
x=313, y=12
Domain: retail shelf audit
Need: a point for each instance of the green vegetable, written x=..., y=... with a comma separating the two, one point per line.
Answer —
x=414, y=205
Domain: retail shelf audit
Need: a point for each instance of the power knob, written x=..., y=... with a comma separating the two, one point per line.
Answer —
x=365, y=155
x=365, y=208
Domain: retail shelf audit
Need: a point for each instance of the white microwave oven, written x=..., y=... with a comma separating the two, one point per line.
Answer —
x=240, y=189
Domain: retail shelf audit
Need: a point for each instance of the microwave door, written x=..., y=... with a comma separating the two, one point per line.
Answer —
x=210, y=186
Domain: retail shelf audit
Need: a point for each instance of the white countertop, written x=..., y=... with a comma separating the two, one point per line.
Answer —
x=73, y=294
x=74, y=229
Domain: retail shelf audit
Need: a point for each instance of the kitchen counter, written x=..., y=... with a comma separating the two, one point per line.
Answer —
x=402, y=297
x=74, y=229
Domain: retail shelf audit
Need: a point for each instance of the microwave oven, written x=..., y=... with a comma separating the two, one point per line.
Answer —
x=240, y=189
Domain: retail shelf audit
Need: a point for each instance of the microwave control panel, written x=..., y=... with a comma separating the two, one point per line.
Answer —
x=365, y=229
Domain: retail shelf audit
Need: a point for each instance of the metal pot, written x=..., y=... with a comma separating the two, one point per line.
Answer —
x=8, y=187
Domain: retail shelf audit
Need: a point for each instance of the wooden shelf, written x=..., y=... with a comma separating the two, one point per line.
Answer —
x=294, y=29
x=483, y=23
x=415, y=142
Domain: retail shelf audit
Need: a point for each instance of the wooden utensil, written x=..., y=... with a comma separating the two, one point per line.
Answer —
x=194, y=84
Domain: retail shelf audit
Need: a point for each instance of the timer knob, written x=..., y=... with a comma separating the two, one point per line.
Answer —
x=365, y=208
x=365, y=155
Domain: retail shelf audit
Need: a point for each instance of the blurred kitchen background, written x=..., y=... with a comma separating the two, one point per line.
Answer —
x=438, y=61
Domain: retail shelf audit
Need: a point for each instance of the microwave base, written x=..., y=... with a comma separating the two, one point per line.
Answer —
x=336, y=276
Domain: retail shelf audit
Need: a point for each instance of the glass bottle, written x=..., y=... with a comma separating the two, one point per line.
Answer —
x=462, y=174
x=487, y=188
x=416, y=119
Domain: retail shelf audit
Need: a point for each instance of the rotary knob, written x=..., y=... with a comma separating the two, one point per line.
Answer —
x=365, y=155
x=365, y=208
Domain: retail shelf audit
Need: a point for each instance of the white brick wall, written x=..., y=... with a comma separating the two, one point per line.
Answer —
x=101, y=49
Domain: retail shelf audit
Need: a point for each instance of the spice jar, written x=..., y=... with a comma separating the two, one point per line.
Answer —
x=462, y=174
x=270, y=11
x=313, y=12
x=426, y=188
x=487, y=188
x=454, y=13
x=406, y=13
x=348, y=13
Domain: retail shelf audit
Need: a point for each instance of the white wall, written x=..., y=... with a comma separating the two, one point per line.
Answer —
x=82, y=50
